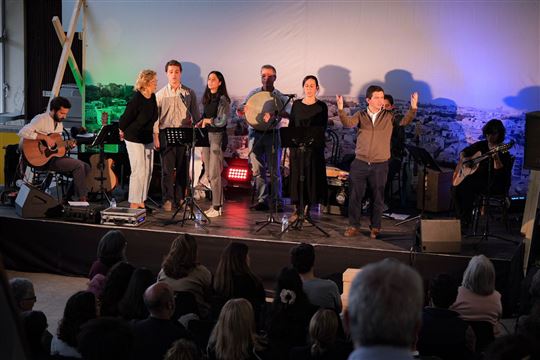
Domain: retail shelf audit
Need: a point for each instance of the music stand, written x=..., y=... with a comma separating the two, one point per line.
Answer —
x=190, y=138
x=108, y=134
x=273, y=124
x=302, y=138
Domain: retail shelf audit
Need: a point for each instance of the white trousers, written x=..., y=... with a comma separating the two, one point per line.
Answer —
x=141, y=160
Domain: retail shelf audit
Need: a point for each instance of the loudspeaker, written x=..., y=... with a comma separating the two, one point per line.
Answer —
x=438, y=194
x=34, y=203
x=443, y=236
x=532, y=145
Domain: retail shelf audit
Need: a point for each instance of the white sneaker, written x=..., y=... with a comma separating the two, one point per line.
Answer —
x=212, y=212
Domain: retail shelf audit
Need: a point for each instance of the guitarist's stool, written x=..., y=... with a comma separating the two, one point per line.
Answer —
x=500, y=202
x=43, y=179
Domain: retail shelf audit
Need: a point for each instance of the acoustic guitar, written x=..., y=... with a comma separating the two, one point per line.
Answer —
x=101, y=168
x=37, y=153
x=93, y=180
x=469, y=165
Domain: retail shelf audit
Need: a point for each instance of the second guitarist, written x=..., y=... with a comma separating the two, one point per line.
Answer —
x=41, y=127
x=476, y=183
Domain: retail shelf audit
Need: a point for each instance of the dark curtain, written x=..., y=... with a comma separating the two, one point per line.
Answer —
x=43, y=52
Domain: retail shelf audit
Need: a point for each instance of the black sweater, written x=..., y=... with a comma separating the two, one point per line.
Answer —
x=138, y=119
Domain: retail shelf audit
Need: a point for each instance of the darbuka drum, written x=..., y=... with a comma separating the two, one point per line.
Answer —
x=259, y=104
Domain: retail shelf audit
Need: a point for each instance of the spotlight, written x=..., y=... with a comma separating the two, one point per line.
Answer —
x=238, y=172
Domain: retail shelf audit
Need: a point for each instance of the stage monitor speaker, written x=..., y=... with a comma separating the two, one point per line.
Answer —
x=34, y=203
x=442, y=236
x=532, y=145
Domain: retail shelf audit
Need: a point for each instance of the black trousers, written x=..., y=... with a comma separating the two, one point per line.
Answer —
x=174, y=173
x=361, y=175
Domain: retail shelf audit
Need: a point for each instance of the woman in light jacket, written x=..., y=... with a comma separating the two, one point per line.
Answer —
x=216, y=112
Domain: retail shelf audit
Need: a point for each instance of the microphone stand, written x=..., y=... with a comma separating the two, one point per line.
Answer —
x=270, y=218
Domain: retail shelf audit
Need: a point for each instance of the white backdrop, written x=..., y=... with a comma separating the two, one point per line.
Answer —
x=483, y=54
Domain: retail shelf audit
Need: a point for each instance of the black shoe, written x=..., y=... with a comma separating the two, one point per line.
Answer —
x=262, y=206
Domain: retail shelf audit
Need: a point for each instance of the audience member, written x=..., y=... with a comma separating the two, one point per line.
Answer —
x=80, y=308
x=96, y=285
x=325, y=345
x=23, y=292
x=234, y=278
x=132, y=306
x=182, y=272
x=105, y=338
x=320, y=292
x=35, y=326
x=385, y=311
x=443, y=333
x=111, y=249
x=183, y=349
x=510, y=347
x=155, y=335
x=115, y=286
x=290, y=315
x=477, y=299
x=234, y=337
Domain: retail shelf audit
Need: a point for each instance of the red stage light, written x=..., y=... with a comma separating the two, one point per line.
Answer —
x=238, y=171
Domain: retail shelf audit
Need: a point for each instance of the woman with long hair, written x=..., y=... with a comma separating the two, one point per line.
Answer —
x=290, y=315
x=234, y=336
x=308, y=112
x=216, y=113
x=115, y=286
x=132, y=305
x=111, y=249
x=136, y=129
x=181, y=270
x=235, y=279
x=80, y=308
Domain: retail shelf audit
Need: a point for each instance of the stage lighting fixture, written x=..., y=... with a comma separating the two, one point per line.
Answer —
x=238, y=171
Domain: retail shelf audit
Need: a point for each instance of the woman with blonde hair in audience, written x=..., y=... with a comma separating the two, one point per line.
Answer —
x=234, y=337
x=182, y=272
x=477, y=299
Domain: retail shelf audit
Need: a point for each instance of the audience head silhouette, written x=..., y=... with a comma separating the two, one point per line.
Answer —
x=385, y=305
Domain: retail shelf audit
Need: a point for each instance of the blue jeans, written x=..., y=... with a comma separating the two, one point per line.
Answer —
x=261, y=159
x=361, y=175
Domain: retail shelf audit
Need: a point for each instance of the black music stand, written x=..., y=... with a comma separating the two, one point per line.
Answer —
x=108, y=134
x=422, y=157
x=190, y=138
x=272, y=125
x=302, y=138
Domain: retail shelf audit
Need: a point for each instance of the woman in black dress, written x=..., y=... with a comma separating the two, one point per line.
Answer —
x=308, y=112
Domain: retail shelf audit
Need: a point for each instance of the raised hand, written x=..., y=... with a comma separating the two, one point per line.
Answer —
x=414, y=100
x=339, y=102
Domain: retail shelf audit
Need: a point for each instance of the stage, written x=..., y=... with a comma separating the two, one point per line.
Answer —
x=68, y=248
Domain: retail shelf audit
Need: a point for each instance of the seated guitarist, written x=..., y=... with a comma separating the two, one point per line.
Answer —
x=465, y=193
x=48, y=123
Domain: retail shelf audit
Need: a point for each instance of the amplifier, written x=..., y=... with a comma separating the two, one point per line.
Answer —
x=88, y=214
x=123, y=216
